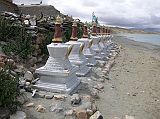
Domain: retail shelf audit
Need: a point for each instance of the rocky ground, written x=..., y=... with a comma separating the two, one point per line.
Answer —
x=130, y=90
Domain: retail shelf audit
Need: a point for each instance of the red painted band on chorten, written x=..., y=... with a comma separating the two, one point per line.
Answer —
x=58, y=31
x=101, y=30
x=85, y=32
x=74, y=32
x=98, y=30
x=104, y=31
x=94, y=30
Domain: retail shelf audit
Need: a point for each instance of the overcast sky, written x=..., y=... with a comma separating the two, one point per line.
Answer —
x=125, y=13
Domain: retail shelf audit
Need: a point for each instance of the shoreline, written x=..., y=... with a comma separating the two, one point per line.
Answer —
x=134, y=85
x=130, y=38
x=146, y=46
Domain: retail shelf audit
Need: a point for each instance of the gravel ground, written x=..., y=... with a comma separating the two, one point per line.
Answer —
x=134, y=85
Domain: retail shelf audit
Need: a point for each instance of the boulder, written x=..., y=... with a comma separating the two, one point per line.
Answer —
x=75, y=99
x=33, y=60
x=40, y=108
x=20, y=69
x=30, y=105
x=19, y=115
x=69, y=112
x=40, y=59
x=96, y=115
x=81, y=114
x=94, y=107
x=57, y=108
x=48, y=96
x=28, y=76
x=99, y=86
x=27, y=83
x=10, y=61
x=89, y=112
x=59, y=97
x=94, y=93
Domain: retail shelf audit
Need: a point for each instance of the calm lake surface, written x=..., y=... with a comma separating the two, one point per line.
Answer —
x=149, y=38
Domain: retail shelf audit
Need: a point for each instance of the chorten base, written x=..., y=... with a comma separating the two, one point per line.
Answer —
x=99, y=56
x=83, y=70
x=89, y=54
x=59, y=88
x=49, y=81
x=91, y=60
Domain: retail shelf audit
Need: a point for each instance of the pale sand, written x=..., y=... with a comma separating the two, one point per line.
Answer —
x=134, y=85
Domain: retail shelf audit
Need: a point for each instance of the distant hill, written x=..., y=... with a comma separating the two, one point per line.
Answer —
x=9, y=6
x=47, y=10
x=151, y=29
x=132, y=31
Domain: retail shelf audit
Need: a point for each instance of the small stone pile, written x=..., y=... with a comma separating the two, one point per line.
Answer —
x=81, y=106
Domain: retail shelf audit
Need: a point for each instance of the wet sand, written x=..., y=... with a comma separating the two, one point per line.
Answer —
x=134, y=85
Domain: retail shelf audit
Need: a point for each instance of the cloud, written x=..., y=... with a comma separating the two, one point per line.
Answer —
x=89, y=3
x=125, y=13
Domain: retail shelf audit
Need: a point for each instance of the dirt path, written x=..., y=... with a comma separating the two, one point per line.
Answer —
x=134, y=85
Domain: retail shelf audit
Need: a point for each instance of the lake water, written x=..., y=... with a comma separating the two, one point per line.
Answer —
x=149, y=38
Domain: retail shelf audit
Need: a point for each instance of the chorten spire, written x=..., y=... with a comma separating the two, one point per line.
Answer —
x=106, y=31
x=94, y=29
x=98, y=30
x=74, y=31
x=103, y=30
x=85, y=31
x=58, y=30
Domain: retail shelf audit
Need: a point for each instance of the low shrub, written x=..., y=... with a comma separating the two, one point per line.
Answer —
x=20, y=46
x=9, y=90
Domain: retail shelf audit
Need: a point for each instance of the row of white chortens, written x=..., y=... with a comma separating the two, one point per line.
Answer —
x=72, y=59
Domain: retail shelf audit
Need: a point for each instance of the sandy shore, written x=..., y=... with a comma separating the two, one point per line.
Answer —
x=134, y=85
